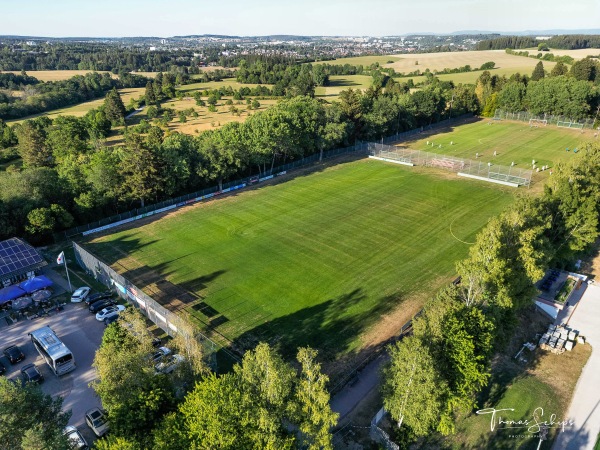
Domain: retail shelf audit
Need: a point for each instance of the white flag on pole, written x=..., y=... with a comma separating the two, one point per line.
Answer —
x=61, y=258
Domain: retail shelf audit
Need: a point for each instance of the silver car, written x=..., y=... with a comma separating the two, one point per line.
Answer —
x=76, y=440
x=96, y=419
x=80, y=294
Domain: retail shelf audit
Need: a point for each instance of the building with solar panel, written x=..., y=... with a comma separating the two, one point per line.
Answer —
x=18, y=261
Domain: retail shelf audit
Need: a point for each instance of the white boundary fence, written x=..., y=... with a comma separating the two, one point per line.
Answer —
x=552, y=119
x=380, y=436
x=507, y=175
x=162, y=317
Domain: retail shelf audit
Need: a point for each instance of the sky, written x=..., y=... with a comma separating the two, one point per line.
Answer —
x=164, y=18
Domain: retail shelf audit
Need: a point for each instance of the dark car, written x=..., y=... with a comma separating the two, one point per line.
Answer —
x=97, y=297
x=95, y=307
x=14, y=354
x=2, y=368
x=110, y=319
x=31, y=373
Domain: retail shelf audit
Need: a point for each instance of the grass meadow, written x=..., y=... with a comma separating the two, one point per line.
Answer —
x=512, y=141
x=82, y=108
x=337, y=259
x=547, y=381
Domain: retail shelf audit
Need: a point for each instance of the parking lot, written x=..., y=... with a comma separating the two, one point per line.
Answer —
x=82, y=334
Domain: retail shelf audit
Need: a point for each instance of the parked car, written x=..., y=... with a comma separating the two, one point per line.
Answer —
x=76, y=440
x=95, y=307
x=97, y=297
x=108, y=311
x=80, y=294
x=110, y=319
x=96, y=419
x=14, y=354
x=169, y=363
x=2, y=368
x=160, y=353
x=31, y=373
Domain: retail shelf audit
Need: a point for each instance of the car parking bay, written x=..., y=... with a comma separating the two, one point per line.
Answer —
x=82, y=334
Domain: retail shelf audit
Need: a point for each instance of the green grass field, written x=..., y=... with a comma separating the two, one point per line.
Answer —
x=525, y=395
x=316, y=260
x=81, y=109
x=339, y=83
x=513, y=142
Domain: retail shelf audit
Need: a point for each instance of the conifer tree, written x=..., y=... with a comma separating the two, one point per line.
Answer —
x=538, y=72
x=114, y=109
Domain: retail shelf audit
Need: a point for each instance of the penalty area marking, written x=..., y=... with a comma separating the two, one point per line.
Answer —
x=454, y=236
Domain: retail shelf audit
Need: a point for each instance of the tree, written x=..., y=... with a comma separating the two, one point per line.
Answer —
x=314, y=414
x=32, y=145
x=133, y=396
x=43, y=221
x=138, y=169
x=114, y=109
x=30, y=419
x=149, y=96
x=510, y=98
x=263, y=404
x=67, y=136
x=413, y=389
x=559, y=69
x=7, y=135
x=538, y=72
x=586, y=69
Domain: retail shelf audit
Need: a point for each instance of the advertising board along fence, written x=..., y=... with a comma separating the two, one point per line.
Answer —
x=506, y=175
x=166, y=320
x=215, y=191
x=205, y=194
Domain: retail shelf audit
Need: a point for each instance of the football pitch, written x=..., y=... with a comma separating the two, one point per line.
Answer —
x=315, y=260
x=512, y=141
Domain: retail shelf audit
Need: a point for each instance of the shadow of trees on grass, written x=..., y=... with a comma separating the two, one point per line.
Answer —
x=333, y=327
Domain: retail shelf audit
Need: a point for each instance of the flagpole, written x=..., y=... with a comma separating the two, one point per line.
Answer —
x=68, y=278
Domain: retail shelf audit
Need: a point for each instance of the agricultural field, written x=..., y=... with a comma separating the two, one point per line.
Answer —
x=203, y=69
x=576, y=54
x=406, y=63
x=339, y=83
x=440, y=61
x=363, y=60
x=337, y=259
x=512, y=141
x=57, y=75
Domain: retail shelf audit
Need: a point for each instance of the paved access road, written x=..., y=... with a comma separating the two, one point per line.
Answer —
x=585, y=405
x=82, y=333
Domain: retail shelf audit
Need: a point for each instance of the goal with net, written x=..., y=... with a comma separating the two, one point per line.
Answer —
x=576, y=125
x=537, y=122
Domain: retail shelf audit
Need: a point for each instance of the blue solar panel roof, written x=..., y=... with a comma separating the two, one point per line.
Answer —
x=17, y=256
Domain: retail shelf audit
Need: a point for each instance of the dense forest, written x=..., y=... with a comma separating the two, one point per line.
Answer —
x=101, y=57
x=573, y=42
x=507, y=42
x=574, y=93
x=566, y=42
